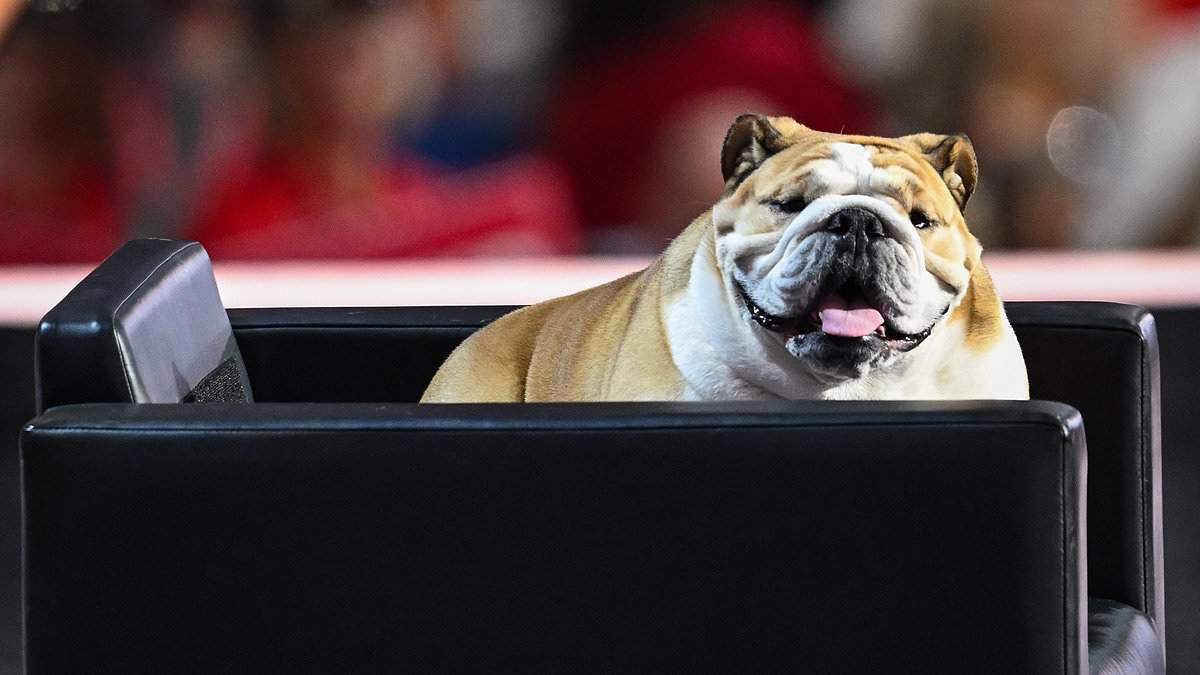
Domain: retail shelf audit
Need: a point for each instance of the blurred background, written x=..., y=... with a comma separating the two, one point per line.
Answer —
x=359, y=130
x=287, y=129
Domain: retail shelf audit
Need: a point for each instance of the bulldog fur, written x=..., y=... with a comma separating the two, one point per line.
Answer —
x=832, y=267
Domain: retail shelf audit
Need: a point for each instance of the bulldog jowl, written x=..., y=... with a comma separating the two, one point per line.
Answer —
x=844, y=329
x=844, y=279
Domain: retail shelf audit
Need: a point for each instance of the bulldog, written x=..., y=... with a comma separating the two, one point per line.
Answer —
x=831, y=267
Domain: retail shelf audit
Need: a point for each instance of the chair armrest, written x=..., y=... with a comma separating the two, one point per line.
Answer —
x=823, y=537
x=147, y=325
x=1102, y=358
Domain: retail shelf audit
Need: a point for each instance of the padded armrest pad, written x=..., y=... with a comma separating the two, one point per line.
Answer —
x=816, y=537
x=146, y=326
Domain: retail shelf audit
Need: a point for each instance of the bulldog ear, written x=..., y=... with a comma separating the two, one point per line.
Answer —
x=751, y=139
x=954, y=158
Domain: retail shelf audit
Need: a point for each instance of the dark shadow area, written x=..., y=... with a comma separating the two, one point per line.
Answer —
x=1177, y=330
x=16, y=407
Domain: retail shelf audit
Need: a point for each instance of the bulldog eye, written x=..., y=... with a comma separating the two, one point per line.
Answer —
x=789, y=205
x=919, y=219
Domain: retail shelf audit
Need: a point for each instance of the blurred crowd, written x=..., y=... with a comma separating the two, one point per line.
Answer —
x=276, y=129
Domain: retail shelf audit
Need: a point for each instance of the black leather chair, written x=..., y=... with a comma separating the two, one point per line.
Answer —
x=1101, y=358
x=893, y=537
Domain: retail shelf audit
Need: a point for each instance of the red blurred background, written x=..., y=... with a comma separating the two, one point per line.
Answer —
x=356, y=129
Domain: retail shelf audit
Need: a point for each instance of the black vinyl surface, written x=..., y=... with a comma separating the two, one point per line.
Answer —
x=563, y=538
x=16, y=408
x=274, y=341
x=1180, y=372
x=1178, y=329
x=1107, y=370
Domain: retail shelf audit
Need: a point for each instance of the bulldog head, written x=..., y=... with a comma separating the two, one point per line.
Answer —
x=844, y=252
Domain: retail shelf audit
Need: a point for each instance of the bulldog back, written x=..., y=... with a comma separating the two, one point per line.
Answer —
x=604, y=343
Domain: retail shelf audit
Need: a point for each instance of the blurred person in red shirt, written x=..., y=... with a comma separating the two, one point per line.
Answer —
x=327, y=184
x=641, y=111
x=57, y=202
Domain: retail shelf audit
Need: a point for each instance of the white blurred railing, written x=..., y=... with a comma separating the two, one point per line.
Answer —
x=1158, y=279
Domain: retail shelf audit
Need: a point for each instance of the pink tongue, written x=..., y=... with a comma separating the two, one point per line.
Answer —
x=839, y=318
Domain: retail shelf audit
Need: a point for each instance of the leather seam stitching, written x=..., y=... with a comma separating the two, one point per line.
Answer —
x=1145, y=514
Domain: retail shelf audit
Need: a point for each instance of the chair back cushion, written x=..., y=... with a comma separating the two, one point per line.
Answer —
x=853, y=537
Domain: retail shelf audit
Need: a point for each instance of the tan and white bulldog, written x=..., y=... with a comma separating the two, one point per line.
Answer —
x=832, y=267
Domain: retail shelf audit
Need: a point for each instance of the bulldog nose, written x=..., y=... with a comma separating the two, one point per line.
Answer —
x=853, y=221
